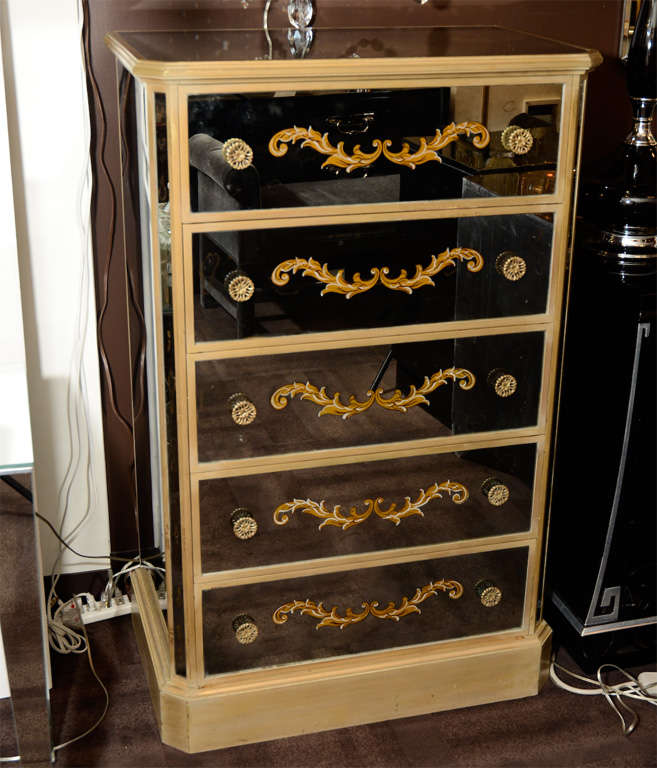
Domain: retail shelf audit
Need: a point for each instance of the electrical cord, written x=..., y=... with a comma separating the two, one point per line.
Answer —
x=112, y=584
x=90, y=557
x=64, y=639
x=630, y=688
x=27, y=494
x=56, y=748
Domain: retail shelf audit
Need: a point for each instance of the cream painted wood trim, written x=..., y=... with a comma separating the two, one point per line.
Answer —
x=545, y=399
x=166, y=694
x=533, y=566
x=402, y=450
x=559, y=240
x=544, y=637
x=538, y=491
x=363, y=337
x=374, y=214
x=568, y=139
x=306, y=459
x=322, y=215
x=386, y=77
x=299, y=568
x=155, y=629
x=197, y=534
x=185, y=192
x=270, y=704
x=180, y=355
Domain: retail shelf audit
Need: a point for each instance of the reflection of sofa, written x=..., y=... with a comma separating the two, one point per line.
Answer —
x=222, y=188
x=219, y=187
x=297, y=179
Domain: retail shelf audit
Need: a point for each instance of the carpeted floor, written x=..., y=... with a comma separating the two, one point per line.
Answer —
x=553, y=729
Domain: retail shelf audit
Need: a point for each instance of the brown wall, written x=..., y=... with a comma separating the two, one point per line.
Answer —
x=589, y=23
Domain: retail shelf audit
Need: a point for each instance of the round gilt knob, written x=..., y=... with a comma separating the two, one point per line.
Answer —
x=239, y=285
x=489, y=594
x=242, y=410
x=237, y=153
x=517, y=139
x=245, y=526
x=495, y=491
x=511, y=266
x=520, y=141
x=503, y=383
x=245, y=629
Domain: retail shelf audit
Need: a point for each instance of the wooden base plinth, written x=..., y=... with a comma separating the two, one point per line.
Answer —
x=269, y=704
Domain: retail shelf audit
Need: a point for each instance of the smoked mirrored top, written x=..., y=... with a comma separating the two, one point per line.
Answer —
x=251, y=44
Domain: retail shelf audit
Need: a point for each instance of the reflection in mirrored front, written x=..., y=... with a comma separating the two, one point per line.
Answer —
x=286, y=149
x=284, y=281
x=304, y=401
x=254, y=520
x=280, y=622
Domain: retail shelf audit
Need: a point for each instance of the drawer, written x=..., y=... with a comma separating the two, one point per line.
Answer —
x=279, y=150
x=276, y=282
x=270, y=404
x=293, y=620
x=340, y=510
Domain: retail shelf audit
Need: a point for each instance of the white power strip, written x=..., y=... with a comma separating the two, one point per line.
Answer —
x=92, y=610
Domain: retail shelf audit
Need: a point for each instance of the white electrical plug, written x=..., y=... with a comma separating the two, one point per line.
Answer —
x=648, y=681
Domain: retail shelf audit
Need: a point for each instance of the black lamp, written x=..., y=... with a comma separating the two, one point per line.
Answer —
x=629, y=230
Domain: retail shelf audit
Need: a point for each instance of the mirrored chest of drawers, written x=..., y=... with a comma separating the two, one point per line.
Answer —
x=353, y=268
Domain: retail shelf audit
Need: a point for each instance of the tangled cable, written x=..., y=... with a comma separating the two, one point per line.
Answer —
x=631, y=688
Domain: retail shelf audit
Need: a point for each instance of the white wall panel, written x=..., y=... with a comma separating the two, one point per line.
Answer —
x=48, y=126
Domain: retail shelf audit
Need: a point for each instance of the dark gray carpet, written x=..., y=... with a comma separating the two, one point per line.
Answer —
x=553, y=729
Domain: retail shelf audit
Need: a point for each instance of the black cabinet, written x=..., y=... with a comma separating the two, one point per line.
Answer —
x=601, y=556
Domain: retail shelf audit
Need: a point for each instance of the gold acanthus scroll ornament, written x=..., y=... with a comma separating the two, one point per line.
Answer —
x=391, y=611
x=457, y=492
x=337, y=156
x=336, y=283
x=396, y=402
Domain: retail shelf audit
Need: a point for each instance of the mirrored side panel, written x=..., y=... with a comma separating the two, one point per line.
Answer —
x=156, y=396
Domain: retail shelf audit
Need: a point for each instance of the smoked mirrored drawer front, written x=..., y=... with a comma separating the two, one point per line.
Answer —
x=365, y=506
x=288, y=281
x=276, y=150
x=370, y=609
x=267, y=404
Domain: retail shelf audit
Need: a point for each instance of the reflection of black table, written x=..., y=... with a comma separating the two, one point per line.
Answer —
x=21, y=599
x=502, y=172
